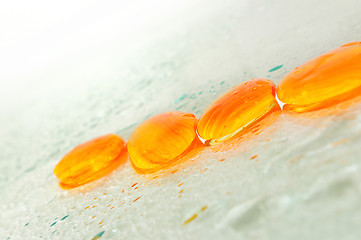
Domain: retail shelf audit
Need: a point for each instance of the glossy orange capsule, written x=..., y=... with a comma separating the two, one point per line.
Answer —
x=323, y=81
x=161, y=140
x=243, y=105
x=90, y=161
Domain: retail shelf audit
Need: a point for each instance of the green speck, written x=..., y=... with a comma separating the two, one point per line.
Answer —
x=98, y=235
x=179, y=107
x=275, y=68
x=26, y=224
x=193, y=96
x=53, y=223
x=200, y=93
x=198, y=111
x=268, y=75
x=64, y=217
x=221, y=83
x=194, y=108
x=181, y=98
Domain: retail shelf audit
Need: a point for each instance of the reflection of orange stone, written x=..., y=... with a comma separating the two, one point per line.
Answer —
x=161, y=140
x=90, y=161
x=234, y=111
x=325, y=80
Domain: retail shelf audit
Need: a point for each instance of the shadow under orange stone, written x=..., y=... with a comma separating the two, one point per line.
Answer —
x=237, y=110
x=323, y=81
x=162, y=140
x=90, y=161
x=250, y=132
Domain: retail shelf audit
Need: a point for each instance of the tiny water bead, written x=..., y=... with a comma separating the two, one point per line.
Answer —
x=323, y=81
x=90, y=161
x=161, y=140
x=237, y=109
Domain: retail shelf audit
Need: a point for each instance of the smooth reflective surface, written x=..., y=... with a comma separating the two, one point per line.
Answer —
x=160, y=140
x=243, y=105
x=90, y=161
x=323, y=81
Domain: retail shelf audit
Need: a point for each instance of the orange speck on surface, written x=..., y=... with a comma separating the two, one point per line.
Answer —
x=136, y=188
x=104, y=193
x=93, y=206
x=181, y=191
x=134, y=184
x=204, y=208
x=296, y=158
x=136, y=199
x=109, y=205
x=122, y=190
x=93, y=217
x=87, y=207
x=180, y=184
x=90, y=161
x=174, y=171
x=191, y=219
x=253, y=157
x=112, y=207
x=221, y=160
x=323, y=81
x=340, y=142
x=237, y=109
x=161, y=140
x=100, y=223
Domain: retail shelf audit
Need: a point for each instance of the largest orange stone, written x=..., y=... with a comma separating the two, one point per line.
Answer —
x=90, y=161
x=237, y=109
x=161, y=140
x=323, y=81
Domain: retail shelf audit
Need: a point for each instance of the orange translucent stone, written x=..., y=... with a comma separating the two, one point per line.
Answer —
x=90, y=161
x=161, y=140
x=240, y=107
x=323, y=81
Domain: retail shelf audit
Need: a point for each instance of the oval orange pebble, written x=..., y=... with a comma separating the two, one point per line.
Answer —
x=90, y=161
x=323, y=81
x=243, y=105
x=161, y=140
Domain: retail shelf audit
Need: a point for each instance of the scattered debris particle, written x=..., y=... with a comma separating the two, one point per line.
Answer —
x=340, y=142
x=98, y=235
x=253, y=157
x=275, y=68
x=191, y=219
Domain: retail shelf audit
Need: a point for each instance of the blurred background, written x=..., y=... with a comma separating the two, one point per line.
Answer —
x=74, y=70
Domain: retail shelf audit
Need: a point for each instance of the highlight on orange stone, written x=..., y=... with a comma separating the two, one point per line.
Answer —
x=237, y=109
x=323, y=81
x=90, y=161
x=161, y=140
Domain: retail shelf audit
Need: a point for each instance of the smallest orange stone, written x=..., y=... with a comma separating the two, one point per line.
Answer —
x=90, y=161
